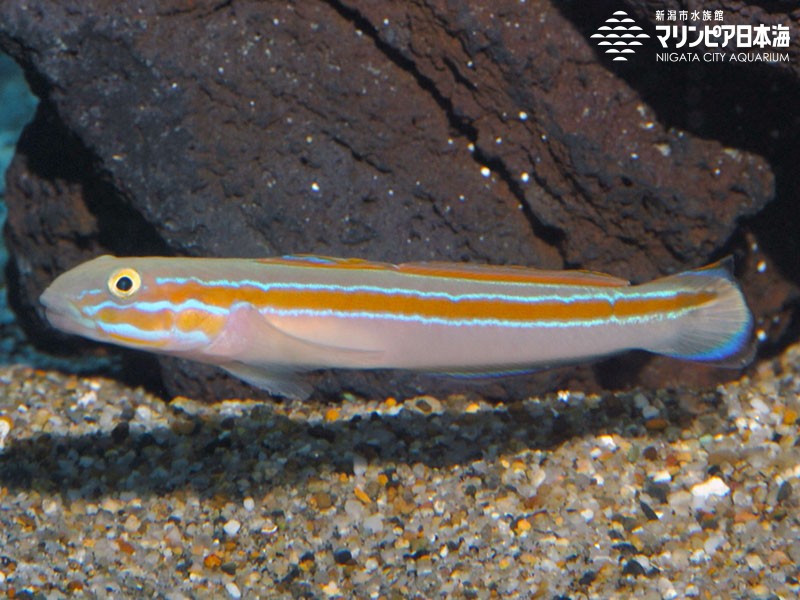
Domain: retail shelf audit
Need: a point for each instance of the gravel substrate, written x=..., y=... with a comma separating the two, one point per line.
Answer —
x=108, y=491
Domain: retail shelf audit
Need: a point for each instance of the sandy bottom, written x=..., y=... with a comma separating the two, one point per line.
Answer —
x=108, y=491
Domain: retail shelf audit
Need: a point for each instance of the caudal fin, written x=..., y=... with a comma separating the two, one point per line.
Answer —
x=718, y=331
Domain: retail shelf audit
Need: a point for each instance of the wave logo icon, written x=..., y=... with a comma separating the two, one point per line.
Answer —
x=621, y=34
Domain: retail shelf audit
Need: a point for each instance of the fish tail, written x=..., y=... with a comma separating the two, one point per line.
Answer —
x=718, y=331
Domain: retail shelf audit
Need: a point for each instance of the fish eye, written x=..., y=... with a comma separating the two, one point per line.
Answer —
x=123, y=283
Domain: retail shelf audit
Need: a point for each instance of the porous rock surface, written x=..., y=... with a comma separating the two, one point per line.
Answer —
x=466, y=131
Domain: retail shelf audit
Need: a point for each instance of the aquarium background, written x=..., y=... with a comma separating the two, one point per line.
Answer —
x=149, y=159
x=17, y=106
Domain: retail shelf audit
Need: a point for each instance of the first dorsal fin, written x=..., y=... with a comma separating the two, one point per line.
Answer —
x=475, y=272
x=512, y=274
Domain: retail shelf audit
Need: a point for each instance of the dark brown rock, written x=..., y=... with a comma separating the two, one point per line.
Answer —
x=357, y=129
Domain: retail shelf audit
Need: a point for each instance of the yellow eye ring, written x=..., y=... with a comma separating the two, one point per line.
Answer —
x=124, y=283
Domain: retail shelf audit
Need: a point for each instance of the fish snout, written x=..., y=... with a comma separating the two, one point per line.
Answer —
x=62, y=313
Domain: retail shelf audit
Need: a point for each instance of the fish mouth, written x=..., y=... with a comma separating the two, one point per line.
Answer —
x=65, y=316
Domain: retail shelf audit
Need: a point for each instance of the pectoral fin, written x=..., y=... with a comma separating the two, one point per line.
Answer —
x=251, y=337
x=307, y=336
x=267, y=351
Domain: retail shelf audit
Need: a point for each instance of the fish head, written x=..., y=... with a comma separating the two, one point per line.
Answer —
x=120, y=301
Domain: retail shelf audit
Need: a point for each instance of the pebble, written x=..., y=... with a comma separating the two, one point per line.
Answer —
x=144, y=413
x=331, y=589
x=233, y=590
x=132, y=524
x=343, y=556
x=706, y=493
x=5, y=428
x=755, y=562
x=232, y=527
x=373, y=524
x=401, y=498
x=360, y=465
